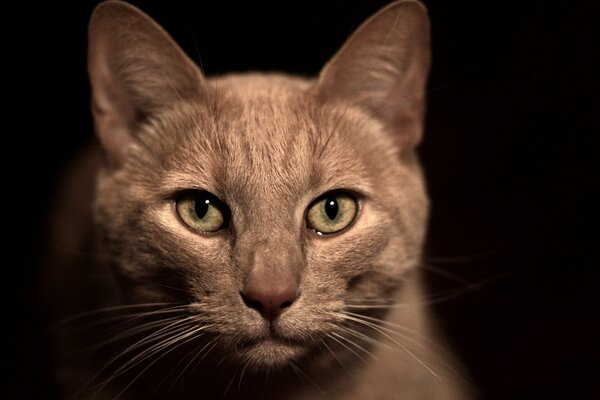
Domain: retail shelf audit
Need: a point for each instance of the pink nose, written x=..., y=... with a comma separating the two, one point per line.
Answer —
x=270, y=302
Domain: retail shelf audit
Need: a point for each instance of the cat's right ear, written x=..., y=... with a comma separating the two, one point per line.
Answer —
x=135, y=69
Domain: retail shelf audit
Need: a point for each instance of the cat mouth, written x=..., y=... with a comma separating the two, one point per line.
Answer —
x=271, y=350
x=274, y=338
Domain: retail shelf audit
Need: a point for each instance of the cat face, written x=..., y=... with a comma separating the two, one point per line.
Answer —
x=265, y=203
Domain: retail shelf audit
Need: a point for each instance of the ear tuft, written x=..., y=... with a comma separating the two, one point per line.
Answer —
x=135, y=70
x=383, y=68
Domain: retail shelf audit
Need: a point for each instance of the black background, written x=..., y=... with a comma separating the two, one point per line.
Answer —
x=508, y=155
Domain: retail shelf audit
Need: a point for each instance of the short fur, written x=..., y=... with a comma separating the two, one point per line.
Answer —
x=267, y=145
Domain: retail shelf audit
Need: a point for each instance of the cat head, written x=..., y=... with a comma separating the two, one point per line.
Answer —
x=266, y=203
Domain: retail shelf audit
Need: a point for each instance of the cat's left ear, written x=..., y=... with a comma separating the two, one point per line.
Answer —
x=383, y=68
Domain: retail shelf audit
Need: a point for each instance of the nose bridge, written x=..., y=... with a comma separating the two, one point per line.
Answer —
x=269, y=235
x=271, y=251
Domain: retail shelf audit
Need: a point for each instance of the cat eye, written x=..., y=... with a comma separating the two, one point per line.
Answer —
x=202, y=211
x=332, y=212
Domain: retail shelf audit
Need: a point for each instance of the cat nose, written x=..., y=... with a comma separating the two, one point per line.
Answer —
x=270, y=301
x=272, y=270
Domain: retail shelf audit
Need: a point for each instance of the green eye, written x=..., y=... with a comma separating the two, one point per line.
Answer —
x=202, y=211
x=331, y=213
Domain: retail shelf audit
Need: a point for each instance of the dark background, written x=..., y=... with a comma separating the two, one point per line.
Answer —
x=508, y=154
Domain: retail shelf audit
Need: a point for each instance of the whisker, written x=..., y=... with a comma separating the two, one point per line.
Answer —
x=196, y=49
x=362, y=301
x=182, y=339
x=164, y=341
x=228, y=385
x=369, y=303
x=447, y=274
x=424, y=340
x=135, y=331
x=213, y=344
x=301, y=373
x=351, y=342
x=335, y=356
x=388, y=323
x=108, y=310
x=167, y=331
x=89, y=385
x=362, y=336
x=157, y=346
x=242, y=375
x=191, y=357
x=346, y=347
x=132, y=317
x=382, y=330
x=376, y=307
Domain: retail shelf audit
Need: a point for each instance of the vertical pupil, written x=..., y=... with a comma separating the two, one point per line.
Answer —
x=201, y=206
x=331, y=207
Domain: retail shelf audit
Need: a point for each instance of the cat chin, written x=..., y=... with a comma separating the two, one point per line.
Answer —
x=270, y=354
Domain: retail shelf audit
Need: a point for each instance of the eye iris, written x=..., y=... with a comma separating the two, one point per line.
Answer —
x=331, y=207
x=202, y=211
x=331, y=213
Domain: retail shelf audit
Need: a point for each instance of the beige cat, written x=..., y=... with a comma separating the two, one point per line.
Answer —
x=251, y=236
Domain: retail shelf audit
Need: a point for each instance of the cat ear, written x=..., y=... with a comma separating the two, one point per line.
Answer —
x=383, y=68
x=135, y=69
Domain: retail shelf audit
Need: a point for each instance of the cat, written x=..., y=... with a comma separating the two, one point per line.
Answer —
x=248, y=236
